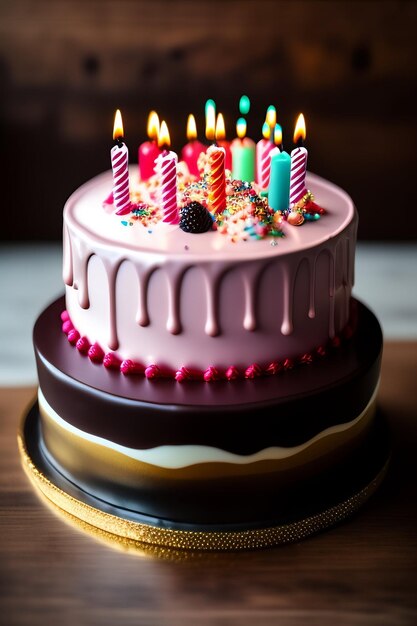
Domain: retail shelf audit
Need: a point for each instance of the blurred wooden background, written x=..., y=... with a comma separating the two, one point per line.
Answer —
x=66, y=65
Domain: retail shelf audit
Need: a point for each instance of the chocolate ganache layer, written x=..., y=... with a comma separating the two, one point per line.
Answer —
x=242, y=416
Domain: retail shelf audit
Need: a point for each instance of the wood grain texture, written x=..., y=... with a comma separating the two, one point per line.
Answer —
x=362, y=572
x=65, y=66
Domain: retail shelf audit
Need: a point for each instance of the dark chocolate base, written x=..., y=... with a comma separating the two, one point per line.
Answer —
x=239, y=416
x=223, y=509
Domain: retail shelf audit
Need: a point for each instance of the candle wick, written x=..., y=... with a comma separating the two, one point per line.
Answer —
x=119, y=142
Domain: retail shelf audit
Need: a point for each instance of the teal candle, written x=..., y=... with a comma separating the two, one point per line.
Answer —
x=279, y=184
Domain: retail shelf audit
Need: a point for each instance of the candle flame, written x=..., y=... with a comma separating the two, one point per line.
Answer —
x=266, y=130
x=244, y=105
x=164, y=140
x=153, y=125
x=191, y=128
x=241, y=127
x=300, y=129
x=277, y=135
x=118, y=125
x=210, y=120
x=220, y=127
x=271, y=116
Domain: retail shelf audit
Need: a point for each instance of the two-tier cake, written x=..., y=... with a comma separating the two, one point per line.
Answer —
x=208, y=381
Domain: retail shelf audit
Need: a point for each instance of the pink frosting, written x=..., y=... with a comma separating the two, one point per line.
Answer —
x=165, y=297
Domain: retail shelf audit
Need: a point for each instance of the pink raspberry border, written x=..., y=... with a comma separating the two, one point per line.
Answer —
x=110, y=360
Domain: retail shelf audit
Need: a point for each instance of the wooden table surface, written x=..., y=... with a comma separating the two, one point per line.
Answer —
x=361, y=572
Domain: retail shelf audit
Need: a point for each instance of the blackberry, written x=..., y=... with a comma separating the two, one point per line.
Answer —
x=195, y=218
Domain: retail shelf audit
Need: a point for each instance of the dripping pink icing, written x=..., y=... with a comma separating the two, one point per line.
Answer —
x=309, y=299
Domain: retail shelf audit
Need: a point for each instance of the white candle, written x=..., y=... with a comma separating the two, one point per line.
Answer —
x=166, y=170
x=120, y=166
x=298, y=163
x=298, y=174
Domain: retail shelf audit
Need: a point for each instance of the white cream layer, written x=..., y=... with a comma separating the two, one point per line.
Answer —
x=178, y=456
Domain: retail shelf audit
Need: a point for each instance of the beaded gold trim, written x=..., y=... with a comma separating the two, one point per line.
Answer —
x=127, y=532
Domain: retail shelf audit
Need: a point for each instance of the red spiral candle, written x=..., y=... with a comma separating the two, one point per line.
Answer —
x=216, y=179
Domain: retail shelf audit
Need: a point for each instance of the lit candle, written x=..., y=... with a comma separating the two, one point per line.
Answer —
x=279, y=185
x=120, y=166
x=221, y=141
x=298, y=163
x=210, y=120
x=216, y=177
x=243, y=154
x=244, y=105
x=264, y=147
x=271, y=119
x=149, y=150
x=278, y=136
x=166, y=170
x=192, y=150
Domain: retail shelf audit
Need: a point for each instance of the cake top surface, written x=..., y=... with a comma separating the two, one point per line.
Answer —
x=96, y=222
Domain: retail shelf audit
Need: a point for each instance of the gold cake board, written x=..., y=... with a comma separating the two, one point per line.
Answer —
x=125, y=533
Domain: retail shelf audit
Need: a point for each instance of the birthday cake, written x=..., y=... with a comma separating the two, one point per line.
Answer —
x=209, y=369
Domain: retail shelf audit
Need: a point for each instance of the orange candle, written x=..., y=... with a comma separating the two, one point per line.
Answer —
x=216, y=177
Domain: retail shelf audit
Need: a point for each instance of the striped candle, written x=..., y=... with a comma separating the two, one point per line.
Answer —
x=298, y=174
x=120, y=166
x=264, y=148
x=216, y=179
x=166, y=170
x=298, y=163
